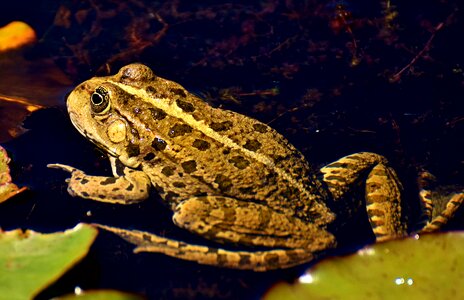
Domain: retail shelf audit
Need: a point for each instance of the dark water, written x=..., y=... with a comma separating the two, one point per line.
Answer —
x=283, y=62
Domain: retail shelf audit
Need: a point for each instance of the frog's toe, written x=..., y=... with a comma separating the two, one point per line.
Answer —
x=62, y=167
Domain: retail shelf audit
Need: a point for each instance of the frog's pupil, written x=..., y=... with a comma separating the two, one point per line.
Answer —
x=97, y=99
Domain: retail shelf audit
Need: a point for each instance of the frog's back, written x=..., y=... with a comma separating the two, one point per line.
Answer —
x=194, y=149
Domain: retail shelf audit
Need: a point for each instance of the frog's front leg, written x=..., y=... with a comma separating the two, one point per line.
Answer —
x=129, y=185
x=382, y=190
x=231, y=221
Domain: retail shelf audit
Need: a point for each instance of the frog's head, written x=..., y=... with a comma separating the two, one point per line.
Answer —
x=101, y=107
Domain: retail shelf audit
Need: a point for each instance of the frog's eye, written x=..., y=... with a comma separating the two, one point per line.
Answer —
x=100, y=101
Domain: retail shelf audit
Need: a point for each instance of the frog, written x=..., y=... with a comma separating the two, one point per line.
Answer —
x=226, y=177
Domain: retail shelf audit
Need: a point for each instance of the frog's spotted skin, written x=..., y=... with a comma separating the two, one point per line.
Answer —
x=226, y=177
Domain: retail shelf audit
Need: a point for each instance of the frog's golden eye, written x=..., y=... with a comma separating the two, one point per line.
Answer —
x=100, y=100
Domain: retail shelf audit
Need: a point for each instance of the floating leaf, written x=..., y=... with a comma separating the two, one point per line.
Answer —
x=7, y=188
x=30, y=261
x=101, y=295
x=15, y=35
x=429, y=267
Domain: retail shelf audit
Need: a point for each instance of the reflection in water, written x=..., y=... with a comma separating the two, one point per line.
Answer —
x=402, y=280
x=306, y=278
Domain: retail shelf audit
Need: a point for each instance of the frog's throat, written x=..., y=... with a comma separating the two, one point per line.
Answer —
x=111, y=151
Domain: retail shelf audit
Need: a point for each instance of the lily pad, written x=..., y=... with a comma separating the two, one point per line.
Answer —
x=425, y=267
x=7, y=188
x=30, y=261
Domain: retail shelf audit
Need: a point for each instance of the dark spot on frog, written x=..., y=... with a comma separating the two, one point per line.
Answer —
x=271, y=179
x=130, y=187
x=178, y=184
x=170, y=196
x=157, y=113
x=252, y=145
x=115, y=189
x=84, y=181
x=151, y=90
x=133, y=150
x=246, y=190
x=245, y=260
x=146, y=237
x=135, y=133
x=224, y=183
x=239, y=162
x=189, y=166
x=221, y=126
x=260, y=127
x=101, y=196
x=292, y=256
x=108, y=180
x=201, y=145
x=221, y=259
x=85, y=194
x=334, y=178
x=149, y=156
x=197, y=117
x=278, y=158
x=120, y=167
x=338, y=165
x=125, y=99
x=226, y=151
x=272, y=259
x=179, y=130
x=179, y=92
x=167, y=171
x=158, y=144
x=185, y=106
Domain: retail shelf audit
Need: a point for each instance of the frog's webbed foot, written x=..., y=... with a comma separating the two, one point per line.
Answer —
x=256, y=261
x=440, y=204
x=382, y=190
x=132, y=187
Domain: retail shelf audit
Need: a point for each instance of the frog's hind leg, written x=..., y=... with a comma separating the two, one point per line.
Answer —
x=245, y=260
x=382, y=190
x=226, y=220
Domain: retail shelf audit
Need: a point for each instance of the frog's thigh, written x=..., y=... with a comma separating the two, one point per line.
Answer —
x=245, y=260
x=132, y=187
x=229, y=220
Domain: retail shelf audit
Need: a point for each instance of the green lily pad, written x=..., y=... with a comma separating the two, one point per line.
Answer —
x=30, y=261
x=101, y=295
x=425, y=267
x=7, y=188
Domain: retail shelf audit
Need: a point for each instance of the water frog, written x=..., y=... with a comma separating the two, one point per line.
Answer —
x=227, y=177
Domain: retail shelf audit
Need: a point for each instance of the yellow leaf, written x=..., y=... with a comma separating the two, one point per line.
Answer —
x=15, y=35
